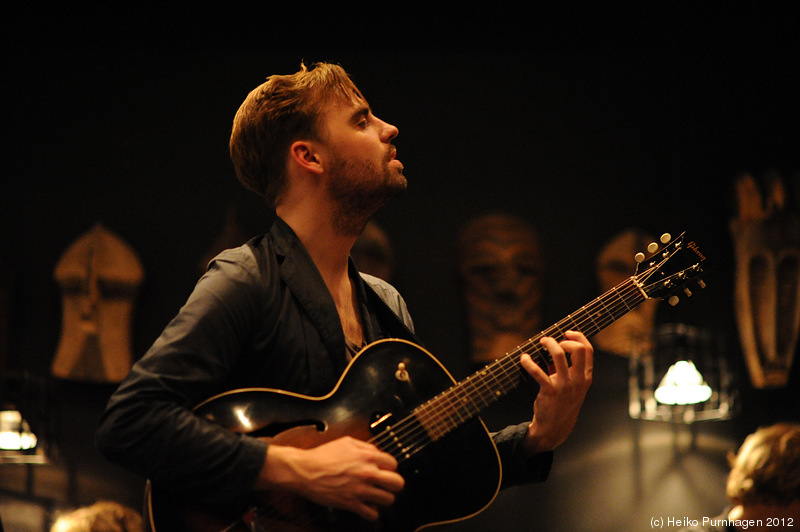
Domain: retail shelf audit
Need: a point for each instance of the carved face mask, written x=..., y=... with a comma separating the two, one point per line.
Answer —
x=99, y=276
x=501, y=269
x=632, y=333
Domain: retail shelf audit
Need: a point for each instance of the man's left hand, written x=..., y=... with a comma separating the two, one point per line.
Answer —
x=561, y=393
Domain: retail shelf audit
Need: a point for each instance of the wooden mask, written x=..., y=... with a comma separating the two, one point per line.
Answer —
x=99, y=276
x=501, y=269
x=632, y=333
x=766, y=238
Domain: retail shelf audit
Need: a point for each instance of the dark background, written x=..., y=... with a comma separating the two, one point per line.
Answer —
x=583, y=123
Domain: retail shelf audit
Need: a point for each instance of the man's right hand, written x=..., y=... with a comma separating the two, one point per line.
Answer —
x=345, y=473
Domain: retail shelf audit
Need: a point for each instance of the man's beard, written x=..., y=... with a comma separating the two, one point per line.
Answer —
x=359, y=189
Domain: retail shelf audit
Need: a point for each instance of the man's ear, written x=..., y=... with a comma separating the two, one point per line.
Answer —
x=305, y=154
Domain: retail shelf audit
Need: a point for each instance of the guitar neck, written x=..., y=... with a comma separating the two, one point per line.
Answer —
x=465, y=400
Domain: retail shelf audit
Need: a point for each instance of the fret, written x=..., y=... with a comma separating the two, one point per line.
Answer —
x=555, y=331
x=575, y=326
x=623, y=301
x=589, y=315
x=608, y=312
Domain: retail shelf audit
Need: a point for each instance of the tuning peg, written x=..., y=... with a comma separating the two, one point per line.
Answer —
x=701, y=283
x=652, y=247
x=687, y=292
x=673, y=300
x=666, y=237
x=639, y=257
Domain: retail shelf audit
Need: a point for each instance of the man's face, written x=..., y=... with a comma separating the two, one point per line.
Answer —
x=361, y=165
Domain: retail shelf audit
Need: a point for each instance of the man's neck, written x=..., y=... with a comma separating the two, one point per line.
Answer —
x=328, y=250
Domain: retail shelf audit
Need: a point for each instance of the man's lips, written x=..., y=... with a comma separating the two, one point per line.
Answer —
x=392, y=157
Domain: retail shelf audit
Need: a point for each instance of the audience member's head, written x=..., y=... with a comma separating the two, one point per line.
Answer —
x=100, y=517
x=766, y=470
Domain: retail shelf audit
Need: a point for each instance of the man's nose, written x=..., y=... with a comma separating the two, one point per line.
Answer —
x=389, y=131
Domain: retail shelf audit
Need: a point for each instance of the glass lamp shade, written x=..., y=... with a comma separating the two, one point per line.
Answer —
x=682, y=385
x=15, y=434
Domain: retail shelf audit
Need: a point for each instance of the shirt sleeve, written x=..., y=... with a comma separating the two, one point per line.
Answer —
x=149, y=426
x=518, y=466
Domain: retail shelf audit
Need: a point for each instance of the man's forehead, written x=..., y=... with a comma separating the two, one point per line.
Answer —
x=342, y=104
x=344, y=108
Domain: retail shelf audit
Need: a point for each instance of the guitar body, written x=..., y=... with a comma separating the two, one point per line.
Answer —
x=456, y=477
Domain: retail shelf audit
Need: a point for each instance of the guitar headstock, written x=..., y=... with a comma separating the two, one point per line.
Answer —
x=674, y=266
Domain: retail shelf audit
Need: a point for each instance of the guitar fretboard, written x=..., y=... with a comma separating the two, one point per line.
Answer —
x=463, y=401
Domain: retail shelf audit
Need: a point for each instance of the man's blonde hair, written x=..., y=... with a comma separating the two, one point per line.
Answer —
x=280, y=111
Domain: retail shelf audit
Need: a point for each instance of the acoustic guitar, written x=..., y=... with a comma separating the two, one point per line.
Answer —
x=399, y=397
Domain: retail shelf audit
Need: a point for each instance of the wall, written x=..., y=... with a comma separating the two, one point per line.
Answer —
x=584, y=129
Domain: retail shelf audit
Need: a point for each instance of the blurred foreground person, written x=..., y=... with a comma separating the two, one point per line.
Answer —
x=763, y=484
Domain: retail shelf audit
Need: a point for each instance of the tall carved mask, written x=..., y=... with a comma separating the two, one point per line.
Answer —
x=99, y=276
x=501, y=269
x=766, y=238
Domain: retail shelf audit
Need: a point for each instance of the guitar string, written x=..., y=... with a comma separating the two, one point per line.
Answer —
x=490, y=393
x=508, y=379
x=421, y=437
x=409, y=435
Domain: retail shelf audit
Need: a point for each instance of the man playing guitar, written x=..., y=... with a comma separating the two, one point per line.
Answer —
x=289, y=311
